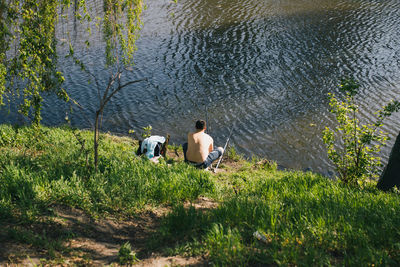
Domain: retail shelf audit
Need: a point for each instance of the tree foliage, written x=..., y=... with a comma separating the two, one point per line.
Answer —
x=28, y=54
x=28, y=45
x=28, y=50
x=352, y=146
x=122, y=23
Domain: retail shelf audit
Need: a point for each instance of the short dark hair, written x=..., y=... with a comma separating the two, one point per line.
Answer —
x=200, y=125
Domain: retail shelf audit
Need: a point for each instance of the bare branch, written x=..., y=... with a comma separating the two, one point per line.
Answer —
x=121, y=87
x=83, y=109
x=110, y=83
x=119, y=76
x=96, y=81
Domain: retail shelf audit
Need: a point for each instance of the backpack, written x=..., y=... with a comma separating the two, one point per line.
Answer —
x=153, y=146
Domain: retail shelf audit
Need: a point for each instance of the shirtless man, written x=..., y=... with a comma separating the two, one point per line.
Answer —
x=199, y=150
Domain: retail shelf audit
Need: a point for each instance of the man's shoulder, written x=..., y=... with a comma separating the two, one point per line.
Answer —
x=208, y=137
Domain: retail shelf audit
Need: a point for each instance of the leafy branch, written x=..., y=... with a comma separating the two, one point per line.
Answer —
x=354, y=147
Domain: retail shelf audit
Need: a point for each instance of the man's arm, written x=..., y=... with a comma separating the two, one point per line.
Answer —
x=211, y=148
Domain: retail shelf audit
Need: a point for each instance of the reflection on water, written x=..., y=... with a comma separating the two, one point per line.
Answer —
x=265, y=66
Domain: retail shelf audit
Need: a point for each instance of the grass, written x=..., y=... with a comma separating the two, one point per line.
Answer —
x=305, y=219
x=49, y=167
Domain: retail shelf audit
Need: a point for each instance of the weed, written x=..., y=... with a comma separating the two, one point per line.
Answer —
x=147, y=131
x=126, y=255
x=233, y=155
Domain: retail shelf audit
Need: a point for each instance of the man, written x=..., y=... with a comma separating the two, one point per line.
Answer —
x=199, y=150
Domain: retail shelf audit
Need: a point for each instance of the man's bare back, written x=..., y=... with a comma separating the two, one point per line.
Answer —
x=199, y=149
x=200, y=145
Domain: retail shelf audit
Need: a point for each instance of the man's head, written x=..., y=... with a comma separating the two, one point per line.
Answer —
x=200, y=125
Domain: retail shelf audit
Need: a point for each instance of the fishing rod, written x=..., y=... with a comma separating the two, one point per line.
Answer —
x=208, y=130
x=226, y=144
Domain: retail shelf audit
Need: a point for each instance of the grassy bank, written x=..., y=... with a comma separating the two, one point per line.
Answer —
x=301, y=218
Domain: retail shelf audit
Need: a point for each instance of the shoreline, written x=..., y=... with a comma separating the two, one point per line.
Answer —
x=328, y=173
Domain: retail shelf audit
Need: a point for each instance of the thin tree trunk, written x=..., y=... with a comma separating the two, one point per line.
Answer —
x=96, y=139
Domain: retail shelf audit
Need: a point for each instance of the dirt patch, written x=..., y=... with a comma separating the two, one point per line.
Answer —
x=12, y=254
x=90, y=242
x=173, y=261
x=203, y=203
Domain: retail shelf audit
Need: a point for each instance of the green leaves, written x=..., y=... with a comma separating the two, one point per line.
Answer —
x=126, y=255
x=355, y=159
x=349, y=86
x=122, y=23
x=29, y=29
x=28, y=44
x=147, y=131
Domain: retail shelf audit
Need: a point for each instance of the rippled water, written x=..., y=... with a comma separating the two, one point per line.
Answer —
x=264, y=66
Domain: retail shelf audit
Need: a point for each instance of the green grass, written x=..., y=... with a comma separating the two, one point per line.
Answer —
x=306, y=219
x=38, y=169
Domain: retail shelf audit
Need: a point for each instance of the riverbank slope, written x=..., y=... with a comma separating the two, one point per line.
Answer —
x=54, y=209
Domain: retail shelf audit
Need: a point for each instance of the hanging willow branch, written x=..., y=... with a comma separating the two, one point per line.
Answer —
x=28, y=50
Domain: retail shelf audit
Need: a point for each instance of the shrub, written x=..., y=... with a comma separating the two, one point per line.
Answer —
x=353, y=147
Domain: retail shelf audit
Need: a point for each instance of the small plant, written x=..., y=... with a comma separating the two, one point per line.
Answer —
x=356, y=159
x=126, y=255
x=7, y=136
x=265, y=164
x=147, y=131
x=395, y=190
x=82, y=142
x=233, y=154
